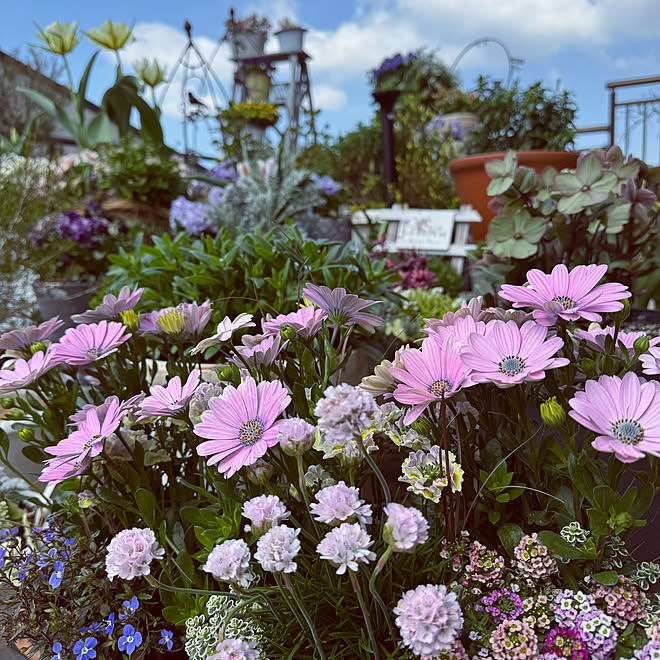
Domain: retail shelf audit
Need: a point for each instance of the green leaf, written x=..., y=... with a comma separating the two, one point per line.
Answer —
x=82, y=87
x=499, y=185
x=510, y=535
x=559, y=546
x=100, y=129
x=147, y=505
x=609, y=578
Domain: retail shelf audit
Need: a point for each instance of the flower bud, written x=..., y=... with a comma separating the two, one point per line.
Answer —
x=111, y=35
x=37, y=346
x=130, y=319
x=224, y=373
x=260, y=472
x=296, y=436
x=422, y=426
x=7, y=402
x=60, y=38
x=14, y=415
x=287, y=332
x=619, y=317
x=26, y=434
x=150, y=72
x=552, y=413
x=171, y=322
x=641, y=344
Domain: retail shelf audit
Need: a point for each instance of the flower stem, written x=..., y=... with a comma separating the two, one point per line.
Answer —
x=303, y=611
x=380, y=564
x=365, y=613
x=375, y=468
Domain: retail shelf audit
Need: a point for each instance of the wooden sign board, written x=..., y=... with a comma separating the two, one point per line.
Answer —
x=425, y=230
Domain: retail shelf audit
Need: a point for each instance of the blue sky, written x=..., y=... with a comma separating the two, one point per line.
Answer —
x=579, y=45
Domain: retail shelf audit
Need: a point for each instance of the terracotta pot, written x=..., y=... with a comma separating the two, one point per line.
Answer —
x=471, y=179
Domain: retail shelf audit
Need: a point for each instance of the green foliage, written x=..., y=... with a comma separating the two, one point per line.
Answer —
x=142, y=171
x=251, y=271
x=516, y=118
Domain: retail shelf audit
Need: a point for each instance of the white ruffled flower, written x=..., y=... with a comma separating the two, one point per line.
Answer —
x=345, y=546
x=230, y=562
x=277, y=549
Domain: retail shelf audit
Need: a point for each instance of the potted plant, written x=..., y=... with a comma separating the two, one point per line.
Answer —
x=247, y=35
x=249, y=117
x=70, y=256
x=535, y=122
x=456, y=109
x=290, y=36
x=258, y=81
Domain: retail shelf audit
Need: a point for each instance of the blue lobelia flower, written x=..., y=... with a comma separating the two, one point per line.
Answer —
x=56, y=577
x=84, y=650
x=166, y=638
x=130, y=640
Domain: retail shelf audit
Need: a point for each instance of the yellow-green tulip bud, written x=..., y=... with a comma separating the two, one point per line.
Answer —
x=111, y=35
x=641, y=344
x=171, y=322
x=130, y=319
x=26, y=434
x=60, y=38
x=149, y=71
x=7, y=402
x=37, y=346
x=552, y=413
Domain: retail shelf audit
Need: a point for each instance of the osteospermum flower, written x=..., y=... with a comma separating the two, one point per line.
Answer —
x=429, y=374
x=460, y=330
x=240, y=424
x=343, y=309
x=569, y=295
x=111, y=306
x=340, y=503
x=264, y=512
x=169, y=400
x=405, y=527
x=15, y=340
x=508, y=355
x=258, y=350
x=224, y=331
x=230, y=562
x=90, y=342
x=597, y=337
x=651, y=361
x=27, y=371
x=624, y=413
x=277, y=549
x=195, y=317
x=306, y=322
x=130, y=553
x=429, y=619
x=346, y=546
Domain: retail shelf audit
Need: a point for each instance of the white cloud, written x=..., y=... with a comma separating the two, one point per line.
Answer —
x=326, y=97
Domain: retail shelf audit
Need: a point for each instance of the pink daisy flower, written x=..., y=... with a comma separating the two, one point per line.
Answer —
x=169, y=400
x=258, y=350
x=90, y=342
x=343, y=309
x=597, y=337
x=195, y=317
x=15, y=340
x=625, y=413
x=428, y=374
x=651, y=361
x=60, y=468
x=26, y=372
x=224, y=331
x=240, y=424
x=149, y=322
x=570, y=295
x=306, y=322
x=111, y=306
x=461, y=329
x=508, y=355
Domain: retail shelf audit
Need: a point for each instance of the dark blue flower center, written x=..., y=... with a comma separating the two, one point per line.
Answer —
x=628, y=431
x=251, y=432
x=439, y=388
x=566, y=302
x=93, y=353
x=511, y=365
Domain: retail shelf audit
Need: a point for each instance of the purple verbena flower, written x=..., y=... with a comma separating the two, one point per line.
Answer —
x=191, y=216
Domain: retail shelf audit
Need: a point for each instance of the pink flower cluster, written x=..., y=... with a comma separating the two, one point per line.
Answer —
x=130, y=553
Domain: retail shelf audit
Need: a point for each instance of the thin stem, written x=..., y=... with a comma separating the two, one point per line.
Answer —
x=365, y=613
x=303, y=492
x=374, y=592
x=375, y=468
x=303, y=611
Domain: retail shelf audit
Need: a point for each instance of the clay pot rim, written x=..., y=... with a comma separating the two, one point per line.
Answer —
x=530, y=154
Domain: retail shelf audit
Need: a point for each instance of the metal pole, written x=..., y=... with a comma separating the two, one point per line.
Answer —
x=386, y=99
x=612, y=114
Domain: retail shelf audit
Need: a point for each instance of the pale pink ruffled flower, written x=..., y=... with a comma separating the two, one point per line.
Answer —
x=651, y=361
x=169, y=400
x=508, y=355
x=624, y=412
x=224, y=331
x=346, y=546
x=27, y=371
x=131, y=552
x=240, y=424
x=570, y=295
x=429, y=619
x=306, y=322
x=428, y=374
x=90, y=342
x=296, y=436
x=111, y=306
x=277, y=550
x=264, y=512
x=236, y=649
x=340, y=503
x=343, y=309
x=230, y=562
x=405, y=527
x=15, y=340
